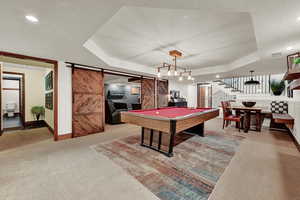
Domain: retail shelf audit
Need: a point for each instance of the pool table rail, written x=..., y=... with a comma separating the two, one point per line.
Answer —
x=163, y=123
x=158, y=133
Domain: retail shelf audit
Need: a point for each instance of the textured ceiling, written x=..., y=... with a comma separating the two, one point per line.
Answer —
x=145, y=36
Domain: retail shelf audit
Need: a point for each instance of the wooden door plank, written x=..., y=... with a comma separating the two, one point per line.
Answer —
x=162, y=93
x=88, y=101
x=148, y=93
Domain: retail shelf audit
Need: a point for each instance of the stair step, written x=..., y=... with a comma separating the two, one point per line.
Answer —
x=217, y=81
x=236, y=91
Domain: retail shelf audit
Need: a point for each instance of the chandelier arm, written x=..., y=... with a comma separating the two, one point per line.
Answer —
x=183, y=70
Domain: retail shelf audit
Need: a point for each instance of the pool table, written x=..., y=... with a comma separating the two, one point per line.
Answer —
x=159, y=126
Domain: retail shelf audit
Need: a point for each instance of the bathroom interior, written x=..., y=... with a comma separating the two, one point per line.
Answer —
x=27, y=94
x=12, y=100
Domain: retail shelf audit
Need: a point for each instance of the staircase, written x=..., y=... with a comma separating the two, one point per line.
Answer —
x=236, y=84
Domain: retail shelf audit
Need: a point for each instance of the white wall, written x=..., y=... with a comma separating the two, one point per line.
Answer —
x=34, y=86
x=64, y=99
x=192, y=95
x=294, y=111
x=182, y=87
x=187, y=90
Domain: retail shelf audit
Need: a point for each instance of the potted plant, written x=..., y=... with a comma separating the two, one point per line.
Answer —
x=297, y=61
x=277, y=87
x=38, y=111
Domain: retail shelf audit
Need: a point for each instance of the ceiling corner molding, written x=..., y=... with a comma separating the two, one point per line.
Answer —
x=91, y=46
x=241, y=62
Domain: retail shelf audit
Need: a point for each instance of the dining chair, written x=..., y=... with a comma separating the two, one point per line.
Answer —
x=228, y=116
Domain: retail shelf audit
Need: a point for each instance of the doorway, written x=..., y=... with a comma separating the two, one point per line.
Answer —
x=122, y=93
x=204, y=95
x=13, y=106
x=49, y=95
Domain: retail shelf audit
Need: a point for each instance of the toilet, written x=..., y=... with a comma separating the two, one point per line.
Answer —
x=11, y=108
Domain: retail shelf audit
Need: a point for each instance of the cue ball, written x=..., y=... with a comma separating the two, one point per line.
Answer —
x=157, y=112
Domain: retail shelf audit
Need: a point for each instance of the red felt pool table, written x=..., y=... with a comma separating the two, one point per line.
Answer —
x=159, y=126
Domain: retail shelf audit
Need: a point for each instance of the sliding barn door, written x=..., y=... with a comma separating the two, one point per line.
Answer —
x=88, y=101
x=162, y=93
x=148, y=93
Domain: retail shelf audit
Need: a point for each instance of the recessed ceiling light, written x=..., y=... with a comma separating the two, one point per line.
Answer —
x=217, y=76
x=298, y=19
x=32, y=19
x=289, y=48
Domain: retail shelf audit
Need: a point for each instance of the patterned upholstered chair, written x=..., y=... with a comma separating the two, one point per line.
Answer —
x=279, y=107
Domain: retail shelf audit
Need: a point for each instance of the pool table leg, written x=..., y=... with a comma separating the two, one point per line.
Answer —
x=148, y=143
x=172, y=137
x=143, y=135
x=200, y=129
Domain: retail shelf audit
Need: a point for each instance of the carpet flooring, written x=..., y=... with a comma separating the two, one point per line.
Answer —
x=192, y=172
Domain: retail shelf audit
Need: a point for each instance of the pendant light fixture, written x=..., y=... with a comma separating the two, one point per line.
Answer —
x=180, y=77
x=169, y=71
x=173, y=69
x=252, y=81
x=190, y=76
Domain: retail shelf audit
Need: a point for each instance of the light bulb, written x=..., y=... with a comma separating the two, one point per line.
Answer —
x=217, y=76
x=169, y=73
x=175, y=73
x=189, y=77
x=158, y=74
x=180, y=78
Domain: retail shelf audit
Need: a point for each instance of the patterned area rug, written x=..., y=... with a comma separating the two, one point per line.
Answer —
x=192, y=172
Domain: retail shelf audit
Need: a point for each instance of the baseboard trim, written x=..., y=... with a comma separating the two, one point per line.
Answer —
x=49, y=127
x=35, y=124
x=294, y=139
x=38, y=124
x=64, y=136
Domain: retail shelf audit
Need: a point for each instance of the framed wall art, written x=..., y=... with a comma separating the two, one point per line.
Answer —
x=49, y=100
x=49, y=81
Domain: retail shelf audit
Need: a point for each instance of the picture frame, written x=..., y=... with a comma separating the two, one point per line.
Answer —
x=49, y=81
x=135, y=90
x=174, y=94
x=292, y=60
x=49, y=100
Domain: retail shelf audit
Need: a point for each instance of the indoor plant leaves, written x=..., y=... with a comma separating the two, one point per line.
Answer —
x=277, y=87
x=38, y=111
